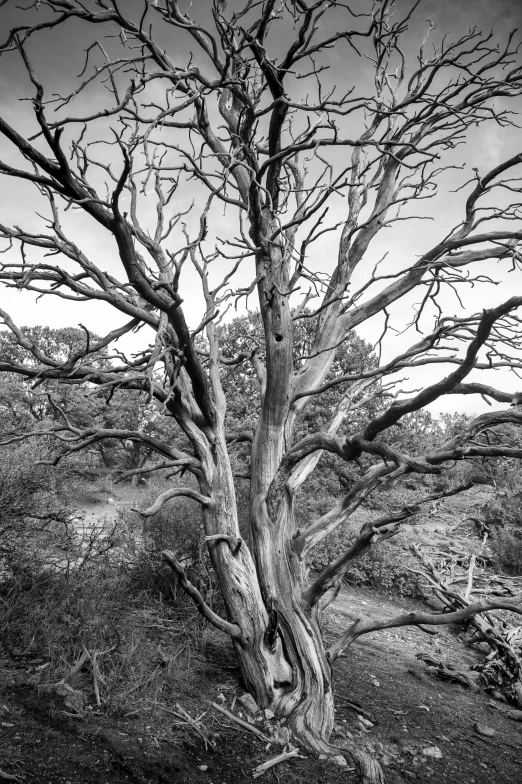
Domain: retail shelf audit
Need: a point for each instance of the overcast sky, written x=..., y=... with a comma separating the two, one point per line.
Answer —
x=58, y=57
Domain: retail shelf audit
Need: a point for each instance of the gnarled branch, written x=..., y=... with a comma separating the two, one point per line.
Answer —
x=360, y=626
x=225, y=626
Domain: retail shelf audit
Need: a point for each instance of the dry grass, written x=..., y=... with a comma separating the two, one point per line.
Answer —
x=99, y=610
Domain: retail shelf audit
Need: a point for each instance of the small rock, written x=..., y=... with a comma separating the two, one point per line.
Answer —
x=248, y=702
x=365, y=722
x=269, y=714
x=203, y=767
x=385, y=761
x=482, y=729
x=340, y=760
x=322, y=756
x=282, y=735
x=110, y=501
x=432, y=751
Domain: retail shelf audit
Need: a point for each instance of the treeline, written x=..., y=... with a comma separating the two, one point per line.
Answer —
x=40, y=459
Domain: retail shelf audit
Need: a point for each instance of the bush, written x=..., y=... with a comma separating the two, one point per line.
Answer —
x=503, y=515
x=34, y=517
x=383, y=568
x=115, y=626
x=95, y=607
x=506, y=545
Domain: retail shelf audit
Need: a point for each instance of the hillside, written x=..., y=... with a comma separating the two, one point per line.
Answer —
x=388, y=699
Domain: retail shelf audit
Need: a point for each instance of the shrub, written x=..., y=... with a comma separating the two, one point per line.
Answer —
x=503, y=514
x=115, y=626
x=383, y=568
x=506, y=545
x=34, y=518
x=94, y=606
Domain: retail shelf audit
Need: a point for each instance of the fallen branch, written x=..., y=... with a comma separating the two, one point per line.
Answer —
x=286, y=755
x=503, y=666
x=355, y=707
x=9, y=777
x=245, y=725
x=449, y=674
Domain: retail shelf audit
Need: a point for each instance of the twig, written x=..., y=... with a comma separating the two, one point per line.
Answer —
x=75, y=669
x=244, y=724
x=286, y=755
x=355, y=707
x=470, y=577
x=9, y=777
x=182, y=714
x=95, y=674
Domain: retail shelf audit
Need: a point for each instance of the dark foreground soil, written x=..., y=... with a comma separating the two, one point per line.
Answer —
x=421, y=729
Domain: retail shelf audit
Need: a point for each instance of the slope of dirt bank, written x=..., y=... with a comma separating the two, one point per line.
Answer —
x=414, y=713
x=421, y=729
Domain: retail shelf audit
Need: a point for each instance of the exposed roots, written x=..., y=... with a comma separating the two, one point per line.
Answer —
x=368, y=769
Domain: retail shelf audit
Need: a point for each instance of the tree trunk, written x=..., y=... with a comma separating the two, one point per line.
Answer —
x=280, y=652
x=281, y=655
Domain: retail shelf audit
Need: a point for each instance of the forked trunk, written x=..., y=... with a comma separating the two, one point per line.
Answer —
x=281, y=654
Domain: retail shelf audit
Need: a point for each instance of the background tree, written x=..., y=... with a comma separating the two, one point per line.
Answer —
x=54, y=405
x=233, y=105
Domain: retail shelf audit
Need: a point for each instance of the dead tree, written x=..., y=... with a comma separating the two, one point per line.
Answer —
x=233, y=106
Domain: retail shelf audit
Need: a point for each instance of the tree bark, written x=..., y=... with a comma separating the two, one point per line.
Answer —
x=280, y=653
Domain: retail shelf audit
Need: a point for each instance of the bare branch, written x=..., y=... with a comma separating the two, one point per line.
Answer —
x=360, y=627
x=229, y=628
x=174, y=492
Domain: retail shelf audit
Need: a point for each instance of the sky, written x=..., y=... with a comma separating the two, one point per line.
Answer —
x=59, y=56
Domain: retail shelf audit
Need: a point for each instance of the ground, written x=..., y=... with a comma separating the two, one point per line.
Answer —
x=409, y=711
x=421, y=729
